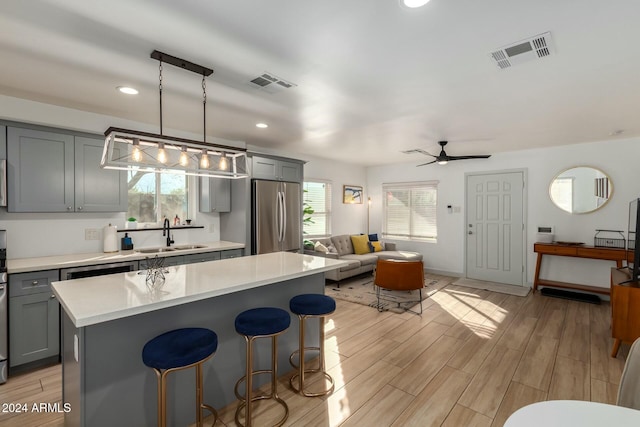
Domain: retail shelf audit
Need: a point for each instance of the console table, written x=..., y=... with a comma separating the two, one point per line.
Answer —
x=625, y=309
x=575, y=251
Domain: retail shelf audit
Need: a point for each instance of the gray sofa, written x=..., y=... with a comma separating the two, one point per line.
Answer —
x=358, y=264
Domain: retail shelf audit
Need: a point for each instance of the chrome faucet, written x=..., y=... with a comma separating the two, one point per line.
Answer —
x=166, y=227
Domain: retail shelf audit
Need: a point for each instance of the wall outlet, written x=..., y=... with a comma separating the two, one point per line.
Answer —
x=91, y=234
x=456, y=209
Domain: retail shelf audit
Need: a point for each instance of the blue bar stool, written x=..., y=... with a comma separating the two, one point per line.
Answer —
x=306, y=306
x=176, y=350
x=260, y=322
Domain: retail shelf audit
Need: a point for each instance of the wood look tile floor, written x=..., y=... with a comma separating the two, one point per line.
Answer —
x=472, y=359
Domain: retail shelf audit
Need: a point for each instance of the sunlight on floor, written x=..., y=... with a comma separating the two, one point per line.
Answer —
x=337, y=404
x=480, y=316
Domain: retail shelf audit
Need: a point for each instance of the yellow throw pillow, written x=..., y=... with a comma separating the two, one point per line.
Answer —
x=360, y=244
x=377, y=246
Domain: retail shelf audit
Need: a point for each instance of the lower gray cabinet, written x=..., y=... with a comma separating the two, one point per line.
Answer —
x=231, y=253
x=34, y=317
x=169, y=261
x=203, y=257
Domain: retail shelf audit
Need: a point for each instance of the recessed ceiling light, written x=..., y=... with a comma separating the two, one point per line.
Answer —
x=128, y=90
x=262, y=125
x=413, y=3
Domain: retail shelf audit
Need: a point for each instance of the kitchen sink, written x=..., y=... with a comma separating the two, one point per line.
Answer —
x=181, y=247
x=154, y=250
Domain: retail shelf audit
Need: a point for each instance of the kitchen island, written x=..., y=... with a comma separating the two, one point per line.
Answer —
x=107, y=320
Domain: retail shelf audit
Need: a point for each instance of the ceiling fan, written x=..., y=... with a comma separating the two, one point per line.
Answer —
x=443, y=158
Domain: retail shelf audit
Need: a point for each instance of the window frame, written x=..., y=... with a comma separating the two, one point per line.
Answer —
x=192, y=190
x=328, y=204
x=409, y=186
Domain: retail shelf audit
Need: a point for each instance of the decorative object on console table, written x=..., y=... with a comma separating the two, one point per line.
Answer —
x=351, y=194
x=609, y=239
x=131, y=224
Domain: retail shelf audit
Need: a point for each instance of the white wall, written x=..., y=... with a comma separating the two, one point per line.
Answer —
x=345, y=218
x=35, y=235
x=617, y=158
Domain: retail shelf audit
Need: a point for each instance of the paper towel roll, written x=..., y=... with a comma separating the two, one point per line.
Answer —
x=110, y=238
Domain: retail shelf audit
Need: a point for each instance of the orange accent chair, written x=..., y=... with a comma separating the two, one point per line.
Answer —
x=398, y=275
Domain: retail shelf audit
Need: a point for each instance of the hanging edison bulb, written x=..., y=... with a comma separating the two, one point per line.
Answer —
x=204, y=160
x=224, y=164
x=136, y=154
x=162, y=154
x=184, y=157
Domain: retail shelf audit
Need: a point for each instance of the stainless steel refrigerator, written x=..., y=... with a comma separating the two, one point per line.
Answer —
x=276, y=216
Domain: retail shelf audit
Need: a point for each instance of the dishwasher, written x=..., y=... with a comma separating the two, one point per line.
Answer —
x=97, y=270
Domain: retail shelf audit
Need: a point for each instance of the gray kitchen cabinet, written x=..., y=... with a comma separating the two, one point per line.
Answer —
x=203, y=257
x=168, y=261
x=40, y=171
x=275, y=169
x=97, y=189
x=34, y=317
x=3, y=142
x=58, y=172
x=214, y=195
x=231, y=253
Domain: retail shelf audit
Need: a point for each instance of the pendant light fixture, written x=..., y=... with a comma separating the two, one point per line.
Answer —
x=132, y=150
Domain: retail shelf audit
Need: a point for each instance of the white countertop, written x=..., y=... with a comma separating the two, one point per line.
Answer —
x=23, y=265
x=100, y=299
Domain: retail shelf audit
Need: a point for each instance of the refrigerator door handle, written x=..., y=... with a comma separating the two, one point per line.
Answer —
x=282, y=216
x=278, y=222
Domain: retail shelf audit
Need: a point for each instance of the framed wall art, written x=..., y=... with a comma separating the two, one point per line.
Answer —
x=351, y=194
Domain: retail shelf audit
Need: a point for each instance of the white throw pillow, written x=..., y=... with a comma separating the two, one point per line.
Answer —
x=319, y=247
x=332, y=249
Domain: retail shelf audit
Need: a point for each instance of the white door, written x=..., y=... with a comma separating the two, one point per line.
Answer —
x=495, y=227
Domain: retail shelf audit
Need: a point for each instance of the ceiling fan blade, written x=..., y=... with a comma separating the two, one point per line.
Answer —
x=479, y=156
x=424, y=164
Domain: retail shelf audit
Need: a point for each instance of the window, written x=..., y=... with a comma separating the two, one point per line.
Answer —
x=410, y=210
x=317, y=196
x=153, y=195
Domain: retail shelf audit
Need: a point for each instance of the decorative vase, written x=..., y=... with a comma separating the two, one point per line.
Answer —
x=131, y=225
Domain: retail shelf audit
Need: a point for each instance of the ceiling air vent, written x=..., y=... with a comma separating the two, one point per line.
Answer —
x=535, y=47
x=270, y=83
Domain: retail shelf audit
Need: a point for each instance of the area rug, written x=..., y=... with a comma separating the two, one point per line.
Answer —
x=520, y=291
x=361, y=290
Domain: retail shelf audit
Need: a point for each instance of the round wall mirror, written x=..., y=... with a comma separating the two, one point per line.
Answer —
x=581, y=189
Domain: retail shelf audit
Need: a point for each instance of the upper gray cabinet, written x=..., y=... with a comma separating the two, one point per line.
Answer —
x=56, y=172
x=215, y=195
x=97, y=189
x=3, y=142
x=276, y=169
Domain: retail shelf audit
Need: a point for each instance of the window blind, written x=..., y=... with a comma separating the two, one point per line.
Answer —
x=410, y=210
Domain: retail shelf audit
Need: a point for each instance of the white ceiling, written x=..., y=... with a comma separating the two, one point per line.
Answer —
x=372, y=78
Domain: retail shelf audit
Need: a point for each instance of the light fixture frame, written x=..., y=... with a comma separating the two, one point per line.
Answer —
x=119, y=145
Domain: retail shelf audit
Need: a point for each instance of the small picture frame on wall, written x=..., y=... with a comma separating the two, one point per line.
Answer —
x=351, y=194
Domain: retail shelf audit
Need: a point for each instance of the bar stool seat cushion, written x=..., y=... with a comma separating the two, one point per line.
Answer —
x=180, y=347
x=262, y=321
x=312, y=304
